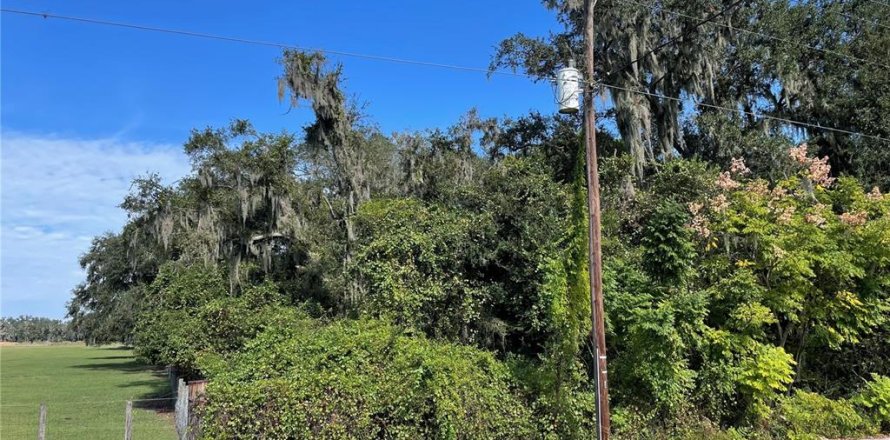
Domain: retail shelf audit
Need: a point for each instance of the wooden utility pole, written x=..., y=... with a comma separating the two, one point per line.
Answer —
x=595, y=256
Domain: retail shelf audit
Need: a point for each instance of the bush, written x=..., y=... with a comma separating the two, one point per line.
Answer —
x=192, y=315
x=806, y=415
x=362, y=379
x=412, y=261
x=632, y=423
x=875, y=400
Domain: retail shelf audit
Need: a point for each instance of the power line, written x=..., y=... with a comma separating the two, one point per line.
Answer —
x=265, y=43
x=750, y=113
x=403, y=60
x=431, y=64
x=768, y=36
x=710, y=20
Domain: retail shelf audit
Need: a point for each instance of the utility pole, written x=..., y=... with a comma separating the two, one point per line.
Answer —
x=595, y=255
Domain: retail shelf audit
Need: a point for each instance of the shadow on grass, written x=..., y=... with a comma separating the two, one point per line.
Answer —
x=158, y=398
x=132, y=366
x=114, y=347
x=114, y=357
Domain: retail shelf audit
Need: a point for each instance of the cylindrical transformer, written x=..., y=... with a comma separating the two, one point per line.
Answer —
x=568, y=89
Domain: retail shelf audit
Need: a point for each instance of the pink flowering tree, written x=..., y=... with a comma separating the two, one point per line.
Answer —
x=799, y=265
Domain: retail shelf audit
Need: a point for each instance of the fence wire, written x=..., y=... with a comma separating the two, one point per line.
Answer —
x=151, y=419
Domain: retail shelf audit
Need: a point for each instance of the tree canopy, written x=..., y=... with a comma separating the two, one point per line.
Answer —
x=340, y=282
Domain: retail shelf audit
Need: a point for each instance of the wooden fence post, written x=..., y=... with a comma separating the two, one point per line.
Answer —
x=128, y=421
x=41, y=427
x=182, y=409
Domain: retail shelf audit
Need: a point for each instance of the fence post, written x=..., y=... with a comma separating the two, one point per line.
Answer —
x=182, y=409
x=41, y=427
x=128, y=421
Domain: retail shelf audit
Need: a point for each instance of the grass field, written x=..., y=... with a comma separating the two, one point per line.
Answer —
x=85, y=390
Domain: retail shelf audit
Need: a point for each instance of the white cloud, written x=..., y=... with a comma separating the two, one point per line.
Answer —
x=56, y=195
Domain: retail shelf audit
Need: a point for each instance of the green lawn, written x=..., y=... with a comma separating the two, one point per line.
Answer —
x=85, y=390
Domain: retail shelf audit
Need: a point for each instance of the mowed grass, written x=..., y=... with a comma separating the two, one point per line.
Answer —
x=85, y=390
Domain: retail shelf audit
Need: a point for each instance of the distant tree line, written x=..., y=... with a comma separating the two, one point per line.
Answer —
x=27, y=328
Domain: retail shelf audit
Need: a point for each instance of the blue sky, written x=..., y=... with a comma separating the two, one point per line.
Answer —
x=85, y=108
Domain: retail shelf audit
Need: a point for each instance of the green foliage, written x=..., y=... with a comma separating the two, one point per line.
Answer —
x=413, y=262
x=805, y=415
x=455, y=272
x=652, y=367
x=473, y=267
x=562, y=400
x=683, y=181
x=105, y=307
x=561, y=382
x=765, y=373
x=790, y=265
x=637, y=424
x=730, y=299
x=874, y=398
x=534, y=222
x=362, y=379
x=668, y=249
x=192, y=315
x=723, y=290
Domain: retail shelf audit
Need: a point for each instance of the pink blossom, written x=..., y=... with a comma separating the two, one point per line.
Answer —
x=699, y=224
x=818, y=171
x=725, y=182
x=719, y=203
x=857, y=219
x=786, y=215
x=758, y=187
x=779, y=192
x=815, y=218
x=799, y=154
x=776, y=195
x=738, y=167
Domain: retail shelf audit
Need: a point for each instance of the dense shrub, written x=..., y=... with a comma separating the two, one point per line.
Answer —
x=725, y=291
x=362, y=379
x=630, y=423
x=193, y=314
x=476, y=266
x=806, y=415
x=412, y=262
x=503, y=265
x=874, y=398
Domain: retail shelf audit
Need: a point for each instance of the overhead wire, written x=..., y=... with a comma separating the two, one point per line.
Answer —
x=450, y=66
x=265, y=43
x=749, y=113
